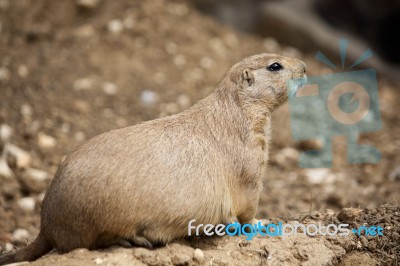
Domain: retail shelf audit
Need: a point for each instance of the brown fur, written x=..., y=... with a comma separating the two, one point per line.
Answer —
x=146, y=182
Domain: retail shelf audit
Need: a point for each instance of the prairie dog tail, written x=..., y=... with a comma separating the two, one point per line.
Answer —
x=36, y=249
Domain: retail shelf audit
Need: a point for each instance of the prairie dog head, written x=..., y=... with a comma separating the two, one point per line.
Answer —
x=262, y=78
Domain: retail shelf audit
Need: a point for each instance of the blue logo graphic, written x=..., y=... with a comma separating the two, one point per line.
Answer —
x=344, y=103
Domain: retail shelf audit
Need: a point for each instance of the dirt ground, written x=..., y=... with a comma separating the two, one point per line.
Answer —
x=70, y=70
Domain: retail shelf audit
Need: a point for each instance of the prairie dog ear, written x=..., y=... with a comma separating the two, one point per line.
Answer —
x=247, y=77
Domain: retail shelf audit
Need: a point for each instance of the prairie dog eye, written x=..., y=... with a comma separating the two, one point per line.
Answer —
x=274, y=67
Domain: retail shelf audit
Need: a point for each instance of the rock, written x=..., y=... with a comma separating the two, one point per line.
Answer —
x=85, y=31
x=83, y=84
x=23, y=71
x=320, y=175
x=98, y=261
x=46, y=141
x=9, y=247
x=6, y=133
x=27, y=204
x=89, y=4
x=35, y=180
x=110, y=88
x=20, y=236
x=115, y=26
x=149, y=97
x=5, y=170
x=21, y=158
x=181, y=259
x=26, y=110
x=199, y=255
x=41, y=196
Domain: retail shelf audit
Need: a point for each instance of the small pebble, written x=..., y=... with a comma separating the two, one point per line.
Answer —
x=26, y=110
x=21, y=158
x=199, y=255
x=41, y=196
x=115, y=26
x=318, y=175
x=23, y=71
x=5, y=170
x=46, y=141
x=20, y=236
x=27, y=204
x=6, y=133
x=87, y=3
x=98, y=261
x=83, y=84
x=110, y=88
x=35, y=180
x=9, y=247
x=149, y=97
x=85, y=31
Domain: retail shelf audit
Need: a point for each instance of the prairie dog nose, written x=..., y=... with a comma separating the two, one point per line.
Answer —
x=303, y=67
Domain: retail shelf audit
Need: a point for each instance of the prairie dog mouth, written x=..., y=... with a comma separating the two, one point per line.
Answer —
x=294, y=85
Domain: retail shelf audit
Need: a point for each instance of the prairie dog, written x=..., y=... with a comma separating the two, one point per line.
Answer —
x=143, y=184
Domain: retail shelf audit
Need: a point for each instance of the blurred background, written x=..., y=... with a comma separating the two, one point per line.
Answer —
x=72, y=69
